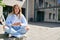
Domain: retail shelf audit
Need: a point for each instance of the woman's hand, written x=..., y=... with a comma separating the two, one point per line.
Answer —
x=16, y=24
x=27, y=28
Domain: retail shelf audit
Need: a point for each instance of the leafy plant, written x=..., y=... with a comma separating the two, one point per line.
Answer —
x=1, y=3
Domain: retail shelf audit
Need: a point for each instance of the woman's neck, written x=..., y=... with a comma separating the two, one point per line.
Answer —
x=16, y=14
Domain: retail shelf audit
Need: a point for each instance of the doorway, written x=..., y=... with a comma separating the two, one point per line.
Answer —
x=6, y=11
x=40, y=16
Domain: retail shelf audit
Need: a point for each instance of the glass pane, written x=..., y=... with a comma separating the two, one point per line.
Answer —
x=41, y=3
x=19, y=0
x=59, y=14
x=51, y=8
x=48, y=3
x=53, y=16
x=50, y=15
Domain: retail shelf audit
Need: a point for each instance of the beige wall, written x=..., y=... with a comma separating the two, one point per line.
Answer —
x=11, y=3
x=47, y=11
x=1, y=10
x=23, y=4
x=31, y=9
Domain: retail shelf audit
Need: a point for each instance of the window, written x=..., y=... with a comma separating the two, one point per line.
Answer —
x=40, y=2
x=53, y=0
x=53, y=9
x=50, y=15
x=53, y=16
x=50, y=5
x=59, y=14
x=7, y=10
x=46, y=4
x=19, y=0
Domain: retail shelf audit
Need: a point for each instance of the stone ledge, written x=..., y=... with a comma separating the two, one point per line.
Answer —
x=5, y=37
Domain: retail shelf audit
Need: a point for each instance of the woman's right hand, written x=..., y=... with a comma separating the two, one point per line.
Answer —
x=27, y=28
x=16, y=24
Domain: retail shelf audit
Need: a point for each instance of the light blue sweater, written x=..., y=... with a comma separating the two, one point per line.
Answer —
x=11, y=19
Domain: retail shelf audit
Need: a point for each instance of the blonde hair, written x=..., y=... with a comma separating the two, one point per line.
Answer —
x=20, y=10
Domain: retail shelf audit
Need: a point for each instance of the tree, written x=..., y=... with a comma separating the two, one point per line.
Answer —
x=1, y=3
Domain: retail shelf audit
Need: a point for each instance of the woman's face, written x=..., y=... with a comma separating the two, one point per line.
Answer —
x=16, y=9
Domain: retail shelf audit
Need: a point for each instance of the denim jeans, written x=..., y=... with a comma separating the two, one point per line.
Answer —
x=13, y=32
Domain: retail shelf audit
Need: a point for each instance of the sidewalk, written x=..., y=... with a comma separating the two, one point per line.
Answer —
x=37, y=32
x=44, y=33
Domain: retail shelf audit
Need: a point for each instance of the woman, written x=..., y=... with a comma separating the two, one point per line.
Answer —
x=16, y=23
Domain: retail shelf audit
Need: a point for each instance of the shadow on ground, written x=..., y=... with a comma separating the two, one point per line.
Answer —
x=44, y=24
x=5, y=37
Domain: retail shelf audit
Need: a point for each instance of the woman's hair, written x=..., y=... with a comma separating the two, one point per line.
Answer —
x=20, y=10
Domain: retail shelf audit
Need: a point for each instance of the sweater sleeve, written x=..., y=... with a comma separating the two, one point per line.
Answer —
x=24, y=21
x=8, y=21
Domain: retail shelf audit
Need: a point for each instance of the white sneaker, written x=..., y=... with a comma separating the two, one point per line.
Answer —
x=25, y=35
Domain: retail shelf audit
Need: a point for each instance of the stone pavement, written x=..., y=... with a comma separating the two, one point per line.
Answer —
x=42, y=31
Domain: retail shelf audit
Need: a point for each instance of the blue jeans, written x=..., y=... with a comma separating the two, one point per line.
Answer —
x=14, y=32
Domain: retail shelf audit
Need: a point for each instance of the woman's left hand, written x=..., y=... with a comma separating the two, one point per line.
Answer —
x=27, y=28
x=19, y=23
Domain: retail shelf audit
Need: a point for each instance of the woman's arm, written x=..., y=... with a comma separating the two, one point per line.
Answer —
x=24, y=21
x=8, y=21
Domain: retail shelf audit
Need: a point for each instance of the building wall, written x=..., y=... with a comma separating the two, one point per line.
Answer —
x=1, y=10
x=49, y=10
x=23, y=5
x=11, y=3
x=57, y=14
x=31, y=9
